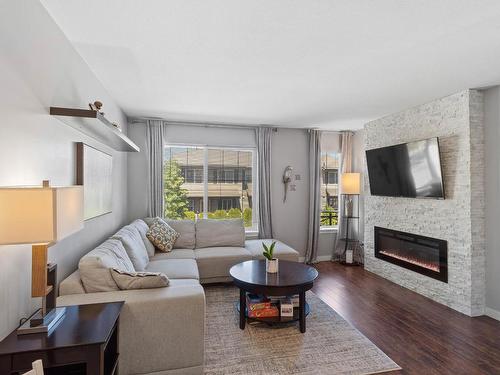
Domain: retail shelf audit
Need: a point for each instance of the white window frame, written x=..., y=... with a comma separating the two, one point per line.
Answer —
x=255, y=193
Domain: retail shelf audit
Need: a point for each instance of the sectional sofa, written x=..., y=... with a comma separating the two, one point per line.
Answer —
x=162, y=330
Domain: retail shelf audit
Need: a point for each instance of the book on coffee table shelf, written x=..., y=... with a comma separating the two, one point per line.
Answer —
x=260, y=306
x=277, y=299
x=268, y=312
x=257, y=302
x=286, y=308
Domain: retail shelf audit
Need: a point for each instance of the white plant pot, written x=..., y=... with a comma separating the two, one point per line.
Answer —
x=272, y=265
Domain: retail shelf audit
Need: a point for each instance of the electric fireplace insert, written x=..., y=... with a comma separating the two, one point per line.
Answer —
x=425, y=255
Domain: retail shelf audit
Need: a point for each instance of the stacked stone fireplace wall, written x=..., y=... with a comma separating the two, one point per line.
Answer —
x=459, y=219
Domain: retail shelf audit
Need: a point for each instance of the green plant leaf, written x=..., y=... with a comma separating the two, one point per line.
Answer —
x=271, y=249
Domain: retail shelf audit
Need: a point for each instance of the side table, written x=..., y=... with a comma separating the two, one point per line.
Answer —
x=84, y=342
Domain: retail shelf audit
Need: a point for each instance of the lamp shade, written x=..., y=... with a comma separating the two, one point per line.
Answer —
x=350, y=183
x=39, y=214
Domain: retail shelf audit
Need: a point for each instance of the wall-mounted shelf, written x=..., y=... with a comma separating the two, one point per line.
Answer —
x=95, y=125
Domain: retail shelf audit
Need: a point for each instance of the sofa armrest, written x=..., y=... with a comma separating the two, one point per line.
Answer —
x=160, y=329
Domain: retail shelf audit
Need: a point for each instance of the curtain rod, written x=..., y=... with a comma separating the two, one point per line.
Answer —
x=203, y=124
x=222, y=124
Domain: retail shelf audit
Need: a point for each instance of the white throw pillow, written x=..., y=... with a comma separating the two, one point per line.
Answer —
x=134, y=246
x=162, y=235
x=95, y=266
x=139, y=280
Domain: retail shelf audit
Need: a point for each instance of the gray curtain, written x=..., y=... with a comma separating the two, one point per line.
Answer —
x=314, y=195
x=346, y=139
x=263, y=136
x=154, y=152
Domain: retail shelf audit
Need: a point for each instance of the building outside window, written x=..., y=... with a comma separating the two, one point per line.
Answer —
x=209, y=182
x=329, y=188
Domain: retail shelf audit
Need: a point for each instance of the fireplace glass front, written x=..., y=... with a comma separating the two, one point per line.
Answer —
x=424, y=255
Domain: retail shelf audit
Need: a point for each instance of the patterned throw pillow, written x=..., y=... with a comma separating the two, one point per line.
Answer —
x=162, y=235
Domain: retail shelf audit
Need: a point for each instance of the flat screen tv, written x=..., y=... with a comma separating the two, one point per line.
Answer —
x=411, y=170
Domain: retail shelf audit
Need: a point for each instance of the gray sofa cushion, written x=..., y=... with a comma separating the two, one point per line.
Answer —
x=175, y=254
x=281, y=250
x=95, y=266
x=143, y=228
x=216, y=233
x=187, y=233
x=216, y=261
x=134, y=246
x=175, y=268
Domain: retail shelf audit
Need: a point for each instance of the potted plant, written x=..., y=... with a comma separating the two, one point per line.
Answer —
x=271, y=263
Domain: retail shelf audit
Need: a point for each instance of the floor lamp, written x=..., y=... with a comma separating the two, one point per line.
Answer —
x=40, y=216
x=349, y=187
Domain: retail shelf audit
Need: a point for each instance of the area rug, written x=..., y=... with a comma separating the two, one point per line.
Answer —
x=329, y=346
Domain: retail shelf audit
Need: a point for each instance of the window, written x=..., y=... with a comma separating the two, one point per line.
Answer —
x=331, y=176
x=229, y=177
x=209, y=182
x=329, y=188
x=194, y=175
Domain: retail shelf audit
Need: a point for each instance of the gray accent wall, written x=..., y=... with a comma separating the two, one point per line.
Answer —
x=38, y=68
x=459, y=219
x=492, y=191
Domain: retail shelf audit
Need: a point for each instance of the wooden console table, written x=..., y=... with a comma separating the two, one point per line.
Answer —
x=84, y=342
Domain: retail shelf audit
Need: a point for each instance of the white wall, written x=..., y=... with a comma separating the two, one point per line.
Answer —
x=492, y=192
x=290, y=147
x=40, y=68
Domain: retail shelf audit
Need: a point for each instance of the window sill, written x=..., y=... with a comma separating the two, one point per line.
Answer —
x=328, y=230
x=251, y=234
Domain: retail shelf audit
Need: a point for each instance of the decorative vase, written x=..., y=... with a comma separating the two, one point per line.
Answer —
x=272, y=265
x=348, y=207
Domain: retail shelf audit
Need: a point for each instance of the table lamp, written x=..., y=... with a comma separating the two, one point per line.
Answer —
x=40, y=216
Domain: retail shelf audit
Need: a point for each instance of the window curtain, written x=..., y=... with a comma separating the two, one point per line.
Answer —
x=314, y=195
x=346, y=139
x=263, y=137
x=154, y=149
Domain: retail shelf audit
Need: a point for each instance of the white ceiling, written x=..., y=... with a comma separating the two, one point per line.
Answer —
x=326, y=63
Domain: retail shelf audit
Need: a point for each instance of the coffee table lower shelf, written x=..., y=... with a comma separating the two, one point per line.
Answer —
x=275, y=319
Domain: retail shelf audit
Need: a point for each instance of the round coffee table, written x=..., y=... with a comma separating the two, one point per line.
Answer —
x=292, y=278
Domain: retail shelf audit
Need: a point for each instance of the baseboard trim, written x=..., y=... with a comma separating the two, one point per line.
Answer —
x=322, y=258
x=492, y=313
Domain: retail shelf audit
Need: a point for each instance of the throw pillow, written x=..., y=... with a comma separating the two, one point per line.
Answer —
x=134, y=246
x=143, y=228
x=217, y=233
x=187, y=233
x=94, y=267
x=162, y=235
x=139, y=280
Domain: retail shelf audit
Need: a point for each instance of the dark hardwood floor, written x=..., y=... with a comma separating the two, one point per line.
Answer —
x=420, y=335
